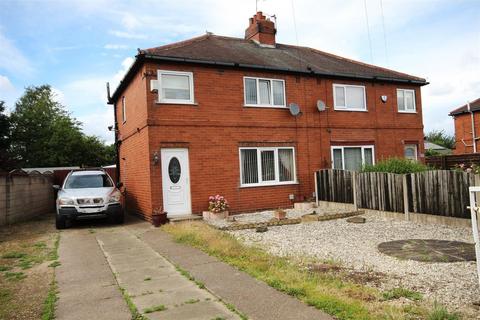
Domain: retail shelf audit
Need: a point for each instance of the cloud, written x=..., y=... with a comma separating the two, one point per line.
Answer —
x=96, y=123
x=8, y=92
x=127, y=35
x=110, y=46
x=12, y=60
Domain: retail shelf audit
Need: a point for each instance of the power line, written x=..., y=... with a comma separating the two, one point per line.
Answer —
x=368, y=30
x=384, y=33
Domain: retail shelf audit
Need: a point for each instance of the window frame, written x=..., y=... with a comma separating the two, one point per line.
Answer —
x=407, y=145
x=363, y=147
x=345, y=108
x=124, y=110
x=175, y=73
x=405, y=100
x=257, y=79
x=261, y=183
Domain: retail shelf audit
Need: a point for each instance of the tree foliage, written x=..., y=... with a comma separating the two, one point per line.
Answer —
x=43, y=134
x=5, y=158
x=441, y=138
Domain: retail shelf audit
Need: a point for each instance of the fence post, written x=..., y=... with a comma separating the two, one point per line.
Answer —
x=316, y=186
x=354, y=189
x=405, y=198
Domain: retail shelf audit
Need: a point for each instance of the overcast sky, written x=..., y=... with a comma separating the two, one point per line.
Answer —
x=78, y=45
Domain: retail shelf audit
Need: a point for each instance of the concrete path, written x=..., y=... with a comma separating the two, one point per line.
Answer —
x=251, y=297
x=87, y=287
x=151, y=281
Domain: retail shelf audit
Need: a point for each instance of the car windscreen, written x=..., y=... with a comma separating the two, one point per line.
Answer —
x=88, y=181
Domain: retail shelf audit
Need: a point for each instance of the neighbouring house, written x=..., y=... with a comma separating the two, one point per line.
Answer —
x=253, y=119
x=436, y=149
x=467, y=127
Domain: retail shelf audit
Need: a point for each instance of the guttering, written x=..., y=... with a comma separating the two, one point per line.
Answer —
x=474, y=139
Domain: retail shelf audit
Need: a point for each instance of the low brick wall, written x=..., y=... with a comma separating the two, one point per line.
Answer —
x=23, y=197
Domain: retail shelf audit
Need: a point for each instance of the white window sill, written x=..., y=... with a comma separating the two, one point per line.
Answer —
x=273, y=184
x=401, y=111
x=264, y=106
x=178, y=102
x=351, y=110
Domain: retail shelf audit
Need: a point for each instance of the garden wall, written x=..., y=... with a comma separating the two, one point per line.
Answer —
x=24, y=196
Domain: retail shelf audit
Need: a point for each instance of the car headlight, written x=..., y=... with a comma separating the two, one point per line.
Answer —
x=114, y=196
x=65, y=202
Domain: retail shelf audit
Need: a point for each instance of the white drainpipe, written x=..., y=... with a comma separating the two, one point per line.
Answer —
x=474, y=142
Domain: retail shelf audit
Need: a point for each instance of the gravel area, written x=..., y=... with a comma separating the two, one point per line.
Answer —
x=355, y=246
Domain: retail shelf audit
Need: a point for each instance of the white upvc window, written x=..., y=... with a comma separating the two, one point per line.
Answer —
x=352, y=157
x=406, y=101
x=410, y=151
x=175, y=87
x=349, y=97
x=124, y=110
x=262, y=92
x=266, y=166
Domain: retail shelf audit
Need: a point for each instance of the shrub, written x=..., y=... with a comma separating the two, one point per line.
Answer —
x=217, y=204
x=396, y=165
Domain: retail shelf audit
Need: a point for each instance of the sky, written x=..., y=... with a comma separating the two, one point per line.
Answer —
x=76, y=46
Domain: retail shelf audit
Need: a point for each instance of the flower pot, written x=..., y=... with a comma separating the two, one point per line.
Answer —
x=280, y=214
x=159, y=218
x=208, y=215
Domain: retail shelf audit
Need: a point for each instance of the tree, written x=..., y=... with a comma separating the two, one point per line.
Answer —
x=441, y=138
x=45, y=135
x=6, y=163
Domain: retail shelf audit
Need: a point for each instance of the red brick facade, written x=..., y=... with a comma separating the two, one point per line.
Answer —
x=463, y=132
x=218, y=124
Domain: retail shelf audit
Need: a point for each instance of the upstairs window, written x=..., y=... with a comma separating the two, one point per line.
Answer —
x=175, y=87
x=348, y=97
x=267, y=166
x=261, y=92
x=406, y=101
x=124, y=110
x=352, y=158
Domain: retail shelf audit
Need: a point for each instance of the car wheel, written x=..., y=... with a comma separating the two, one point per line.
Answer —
x=60, y=222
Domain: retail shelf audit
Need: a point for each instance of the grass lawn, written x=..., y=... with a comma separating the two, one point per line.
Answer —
x=331, y=290
x=26, y=251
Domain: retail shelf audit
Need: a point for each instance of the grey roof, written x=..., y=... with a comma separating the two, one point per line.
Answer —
x=474, y=106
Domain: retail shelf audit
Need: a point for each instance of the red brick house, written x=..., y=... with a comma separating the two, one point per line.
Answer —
x=211, y=115
x=467, y=127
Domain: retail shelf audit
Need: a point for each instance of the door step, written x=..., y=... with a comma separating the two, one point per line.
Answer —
x=189, y=217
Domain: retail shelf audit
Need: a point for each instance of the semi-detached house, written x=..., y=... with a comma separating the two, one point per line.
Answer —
x=216, y=115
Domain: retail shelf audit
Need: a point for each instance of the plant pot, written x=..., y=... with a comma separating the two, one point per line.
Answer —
x=159, y=218
x=280, y=214
x=208, y=215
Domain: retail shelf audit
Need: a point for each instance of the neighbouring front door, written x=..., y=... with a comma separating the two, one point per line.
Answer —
x=176, y=182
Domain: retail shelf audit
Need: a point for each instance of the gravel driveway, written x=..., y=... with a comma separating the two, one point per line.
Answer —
x=355, y=246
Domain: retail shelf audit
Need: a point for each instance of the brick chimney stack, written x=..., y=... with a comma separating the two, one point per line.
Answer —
x=261, y=30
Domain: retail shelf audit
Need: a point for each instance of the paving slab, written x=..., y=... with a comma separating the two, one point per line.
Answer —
x=252, y=297
x=87, y=287
x=153, y=281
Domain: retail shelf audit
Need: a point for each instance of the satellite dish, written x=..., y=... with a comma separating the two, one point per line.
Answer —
x=321, y=105
x=294, y=109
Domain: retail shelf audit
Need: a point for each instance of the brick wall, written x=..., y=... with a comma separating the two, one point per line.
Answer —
x=218, y=124
x=24, y=196
x=463, y=130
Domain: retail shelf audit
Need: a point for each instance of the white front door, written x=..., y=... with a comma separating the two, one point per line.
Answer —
x=176, y=182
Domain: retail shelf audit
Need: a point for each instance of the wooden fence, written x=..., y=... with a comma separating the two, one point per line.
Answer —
x=437, y=192
x=447, y=162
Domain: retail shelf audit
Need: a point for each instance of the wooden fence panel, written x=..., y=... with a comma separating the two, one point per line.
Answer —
x=440, y=192
x=335, y=185
x=380, y=191
x=447, y=162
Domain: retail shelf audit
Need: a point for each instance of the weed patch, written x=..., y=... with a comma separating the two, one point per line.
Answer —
x=160, y=307
x=13, y=255
x=15, y=276
x=397, y=293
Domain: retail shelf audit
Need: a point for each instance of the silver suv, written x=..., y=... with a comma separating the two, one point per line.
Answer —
x=88, y=194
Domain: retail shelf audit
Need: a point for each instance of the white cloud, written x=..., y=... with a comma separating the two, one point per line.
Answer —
x=12, y=60
x=127, y=35
x=110, y=46
x=96, y=123
x=58, y=96
x=8, y=92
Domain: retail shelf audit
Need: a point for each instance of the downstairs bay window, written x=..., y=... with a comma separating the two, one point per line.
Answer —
x=267, y=166
x=352, y=157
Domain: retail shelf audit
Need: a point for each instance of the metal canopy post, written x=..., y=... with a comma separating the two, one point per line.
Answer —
x=473, y=211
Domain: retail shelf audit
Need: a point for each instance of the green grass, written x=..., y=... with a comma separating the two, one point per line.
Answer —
x=13, y=255
x=397, y=293
x=396, y=165
x=48, y=312
x=192, y=301
x=147, y=279
x=54, y=264
x=441, y=313
x=232, y=308
x=5, y=268
x=15, y=276
x=218, y=318
x=160, y=307
x=136, y=315
x=53, y=254
x=330, y=292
